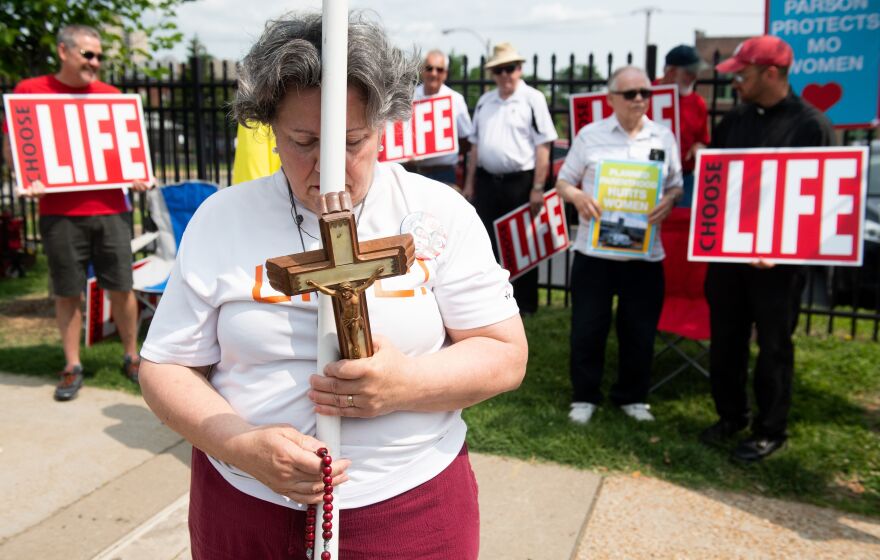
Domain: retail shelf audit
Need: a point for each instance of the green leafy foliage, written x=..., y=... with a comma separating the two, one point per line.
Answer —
x=28, y=30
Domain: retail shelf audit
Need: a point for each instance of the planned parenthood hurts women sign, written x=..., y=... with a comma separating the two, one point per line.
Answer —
x=836, y=47
x=785, y=205
x=78, y=142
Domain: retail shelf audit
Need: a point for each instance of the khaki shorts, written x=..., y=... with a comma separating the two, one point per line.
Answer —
x=72, y=242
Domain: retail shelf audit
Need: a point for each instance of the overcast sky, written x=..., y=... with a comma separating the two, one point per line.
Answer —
x=229, y=27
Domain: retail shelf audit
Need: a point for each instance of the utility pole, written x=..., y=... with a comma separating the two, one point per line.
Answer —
x=648, y=11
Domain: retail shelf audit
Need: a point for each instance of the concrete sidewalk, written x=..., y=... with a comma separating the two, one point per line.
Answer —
x=100, y=477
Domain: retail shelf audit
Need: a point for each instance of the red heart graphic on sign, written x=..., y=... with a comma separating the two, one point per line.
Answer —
x=823, y=97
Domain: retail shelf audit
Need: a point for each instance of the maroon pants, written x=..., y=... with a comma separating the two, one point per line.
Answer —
x=438, y=520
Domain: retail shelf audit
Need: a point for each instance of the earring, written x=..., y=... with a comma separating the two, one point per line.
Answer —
x=275, y=150
x=381, y=148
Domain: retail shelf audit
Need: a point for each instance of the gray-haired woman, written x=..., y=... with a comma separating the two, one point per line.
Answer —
x=230, y=364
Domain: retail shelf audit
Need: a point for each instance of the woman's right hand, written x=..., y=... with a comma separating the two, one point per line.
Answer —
x=586, y=205
x=285, y=460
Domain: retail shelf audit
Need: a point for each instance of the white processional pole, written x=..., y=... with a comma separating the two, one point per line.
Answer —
x=334, y=99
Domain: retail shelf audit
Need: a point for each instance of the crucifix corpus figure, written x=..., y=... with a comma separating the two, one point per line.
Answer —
x=343, y=270
x=349, y=299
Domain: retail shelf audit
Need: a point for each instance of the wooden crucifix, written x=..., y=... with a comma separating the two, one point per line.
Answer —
x=343, y=270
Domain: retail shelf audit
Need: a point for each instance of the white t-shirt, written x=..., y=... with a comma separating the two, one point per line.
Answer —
x=464, y=126
x=219, y=309
x=507, y=131
x=606, y=140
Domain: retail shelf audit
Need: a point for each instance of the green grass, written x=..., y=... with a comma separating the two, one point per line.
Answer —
x=33, y=283
x=24, y=305
x=833, y=456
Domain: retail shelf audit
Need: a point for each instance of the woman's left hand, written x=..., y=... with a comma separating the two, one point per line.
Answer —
x=363, y=388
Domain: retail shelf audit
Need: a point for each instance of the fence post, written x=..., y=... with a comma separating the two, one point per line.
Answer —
x=195, y=64
x=651, y=61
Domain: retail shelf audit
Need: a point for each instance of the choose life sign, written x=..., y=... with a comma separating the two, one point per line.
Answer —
x=78, y=142
x=429, y=133
x=786, y=205
x=524, y=241
x=836, y=47
x=663, y=108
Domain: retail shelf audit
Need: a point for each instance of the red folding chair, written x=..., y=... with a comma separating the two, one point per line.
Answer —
x=684, y=321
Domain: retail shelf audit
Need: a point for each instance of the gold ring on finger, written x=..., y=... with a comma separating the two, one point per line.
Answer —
x=350, y=400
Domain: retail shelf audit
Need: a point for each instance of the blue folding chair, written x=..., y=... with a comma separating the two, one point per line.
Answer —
x=171, y=207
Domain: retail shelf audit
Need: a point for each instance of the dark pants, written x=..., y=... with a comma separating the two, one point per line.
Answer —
x=740, y=295
x=639, y=289
x=494, y=196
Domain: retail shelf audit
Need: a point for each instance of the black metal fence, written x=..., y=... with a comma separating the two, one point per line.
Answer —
x=191, y=136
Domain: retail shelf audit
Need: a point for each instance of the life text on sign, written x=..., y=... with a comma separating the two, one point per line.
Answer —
x=78, y=142
x=525, y=240
x=794, y=205
x=430, y=132
x=663, y=108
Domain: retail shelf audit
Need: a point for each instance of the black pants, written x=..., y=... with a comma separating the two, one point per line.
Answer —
x=740, y=295
x=639, y=289
x=494, y=196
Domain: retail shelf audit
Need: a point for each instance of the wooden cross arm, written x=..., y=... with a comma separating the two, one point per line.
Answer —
x=288, y=274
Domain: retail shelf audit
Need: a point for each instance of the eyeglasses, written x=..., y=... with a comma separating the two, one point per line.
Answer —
x=88, y=55
x=429, y=69
x=631, y=94
x=509, y=69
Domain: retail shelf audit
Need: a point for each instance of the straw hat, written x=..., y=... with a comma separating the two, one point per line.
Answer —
x=504, y=54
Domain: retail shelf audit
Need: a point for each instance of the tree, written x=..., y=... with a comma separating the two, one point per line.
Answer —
x=28, y=30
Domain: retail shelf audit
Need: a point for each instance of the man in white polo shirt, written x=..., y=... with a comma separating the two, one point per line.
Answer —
x=510, y=154
x=435, y=68
x=596, y=278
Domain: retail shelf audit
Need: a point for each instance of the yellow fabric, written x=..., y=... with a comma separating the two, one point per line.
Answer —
x=254, y=157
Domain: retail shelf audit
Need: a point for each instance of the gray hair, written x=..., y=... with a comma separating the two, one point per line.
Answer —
x=439, y=53
x=612, y=81
x=67, y=35
x=288, y=56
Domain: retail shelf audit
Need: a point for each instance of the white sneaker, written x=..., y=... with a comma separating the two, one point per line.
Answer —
x=639, y=411
x=581, y=412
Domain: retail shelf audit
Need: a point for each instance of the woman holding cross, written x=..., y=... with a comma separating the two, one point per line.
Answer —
x=230, y=364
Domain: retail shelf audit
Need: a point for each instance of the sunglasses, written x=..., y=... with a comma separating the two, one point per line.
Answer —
x=510, y=69
x=88, y=55
x=429, y=69
x=631, y=94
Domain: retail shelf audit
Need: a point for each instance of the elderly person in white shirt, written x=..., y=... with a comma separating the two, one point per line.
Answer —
x=510, y=154
x=435, y=69
x=595, y=278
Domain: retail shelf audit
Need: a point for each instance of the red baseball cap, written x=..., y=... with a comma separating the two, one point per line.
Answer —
x=766, y=50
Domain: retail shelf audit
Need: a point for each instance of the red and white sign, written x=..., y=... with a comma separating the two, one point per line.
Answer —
x=99, y=323
x=586, y=108
x=524, y=241
x=430, y=132
x=786, y=205
x=78, y=142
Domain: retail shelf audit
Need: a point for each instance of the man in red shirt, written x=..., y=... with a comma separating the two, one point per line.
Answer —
x=682, y=66
x=82, y=227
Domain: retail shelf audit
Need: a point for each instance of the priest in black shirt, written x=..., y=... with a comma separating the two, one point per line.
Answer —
x=761, y=293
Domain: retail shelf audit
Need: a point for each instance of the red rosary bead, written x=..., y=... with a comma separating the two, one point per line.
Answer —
x=311, y=512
